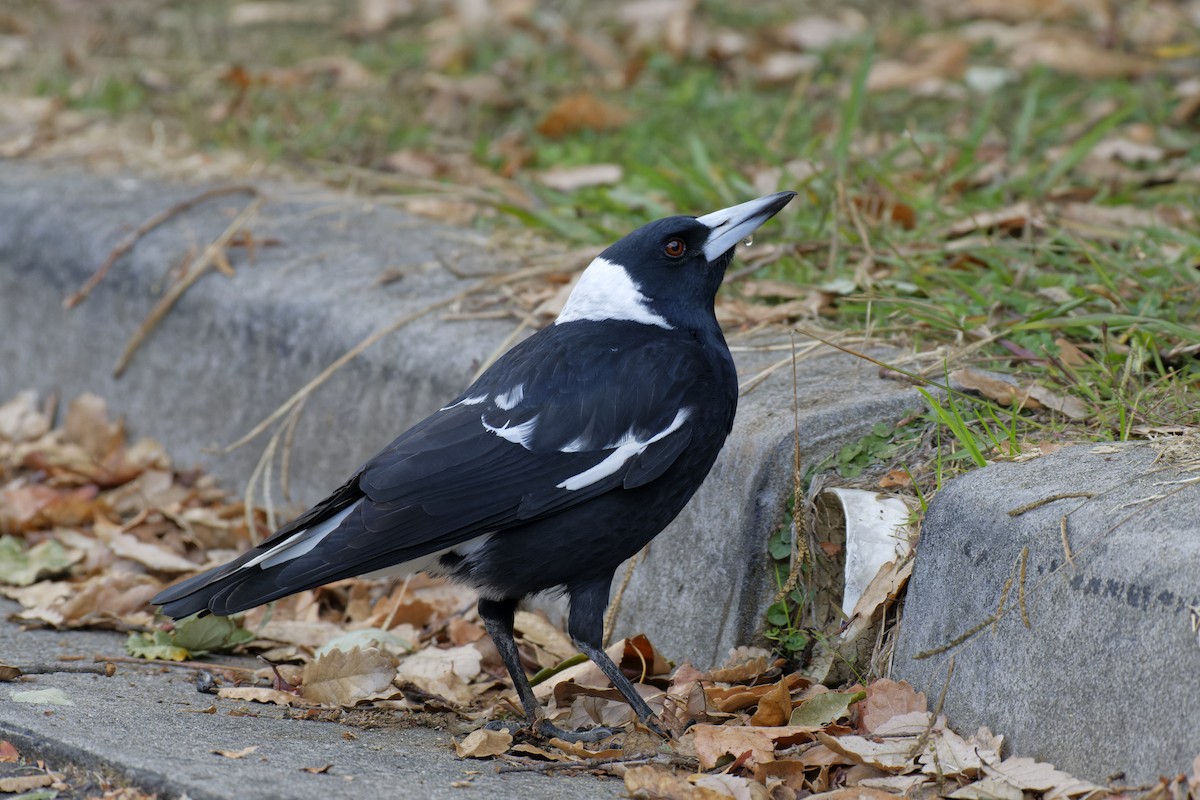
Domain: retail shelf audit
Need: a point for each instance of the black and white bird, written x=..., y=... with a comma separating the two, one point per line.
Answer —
x=566, y=457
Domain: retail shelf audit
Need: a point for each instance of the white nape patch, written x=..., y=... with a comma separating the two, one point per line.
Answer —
x=509, y=400
x=626, y=447
x=300, y=543
x=606, y=291
x=517, y=434
x=466, y=401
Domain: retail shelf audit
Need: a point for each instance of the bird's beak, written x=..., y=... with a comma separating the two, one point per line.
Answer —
x=730, y=225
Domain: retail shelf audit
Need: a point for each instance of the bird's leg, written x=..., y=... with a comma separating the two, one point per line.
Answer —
x=586, y=626
x=497, y=616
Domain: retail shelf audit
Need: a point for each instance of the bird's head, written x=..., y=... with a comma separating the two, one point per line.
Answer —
x=667, y=272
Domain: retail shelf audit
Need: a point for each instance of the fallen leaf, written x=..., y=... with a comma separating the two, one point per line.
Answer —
x=654, y=782
x=46, y=559
x=8, y=753
x=987, y=789
x=713, y=787
x=245, y=751
x=483, y=743
x=853, y=793
x=24, y=783
x=775, y=706
x=443, y=673
x=155, y=646
x=87, y=425
x=1071, y=53
x=756, y=744
x=890, y=756
x=579, y=750
x=367, y=637
x=21, y=420
x=824, y=709
x=537, y=629
x=1009, y=219
x=340, y=678
x=1071, y=407
x=260, y=694
x=887, y=698
x=317, y=770
x=947, y=753
x=51, y=697
x=581, y=112
x=1030, y=775
x=946, y=60
x=569, y=179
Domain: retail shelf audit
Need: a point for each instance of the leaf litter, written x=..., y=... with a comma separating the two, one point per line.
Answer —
x=749, y=728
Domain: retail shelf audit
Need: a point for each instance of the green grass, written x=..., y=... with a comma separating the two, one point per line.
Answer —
x=700, y=131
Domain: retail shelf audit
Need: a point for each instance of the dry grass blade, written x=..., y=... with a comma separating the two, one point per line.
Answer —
x=377, y=335
x=126, y=244
x=208, y=259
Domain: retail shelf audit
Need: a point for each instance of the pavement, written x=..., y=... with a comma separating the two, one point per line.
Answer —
x=233, y=348
x=143, y=725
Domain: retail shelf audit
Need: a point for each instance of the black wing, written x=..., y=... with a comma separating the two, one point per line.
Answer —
x=573, y=412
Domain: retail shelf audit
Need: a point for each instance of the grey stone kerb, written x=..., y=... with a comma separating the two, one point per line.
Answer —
x=233, y=349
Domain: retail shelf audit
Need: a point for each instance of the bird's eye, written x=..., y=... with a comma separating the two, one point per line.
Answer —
x=675, y=247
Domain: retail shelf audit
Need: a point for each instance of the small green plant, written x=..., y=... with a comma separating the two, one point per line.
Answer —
x=785, y=614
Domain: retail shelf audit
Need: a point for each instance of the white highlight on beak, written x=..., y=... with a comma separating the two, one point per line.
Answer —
x=606, y=291
x=730, y=225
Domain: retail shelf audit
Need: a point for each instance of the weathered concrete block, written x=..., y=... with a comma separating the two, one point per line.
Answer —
x=233, y=349
x=1104, y=678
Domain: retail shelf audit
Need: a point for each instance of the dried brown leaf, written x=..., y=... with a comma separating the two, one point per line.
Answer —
x=341, y=678
x=947, y=60
x=483, y=743
x=245, y=751
x=775, y=706
x=260, y=694
x=569, y=179
x=653, y=782
x=886, y=699
x=893, y=755
x=21, y=420
x=581, y=112
x=24, y=783
x=1030, y=775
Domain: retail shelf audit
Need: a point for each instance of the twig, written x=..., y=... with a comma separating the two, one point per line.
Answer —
x=752, y=382
x=1019, y=510
x=1021, y=587
x=1066, y=542
x=207, y=259
x=126, y=244
x=285, y=458
x=526, y=322
x=142, y=662
x=371, y=339
x=107, y=668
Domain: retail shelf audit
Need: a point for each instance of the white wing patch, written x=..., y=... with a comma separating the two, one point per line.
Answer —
x=627, y=447
x=606, y=291
x=466, y=401
x=509, y=400
x=517, y=434
x=300, y=543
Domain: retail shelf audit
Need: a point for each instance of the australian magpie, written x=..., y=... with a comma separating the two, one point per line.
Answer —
x=575, y=449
